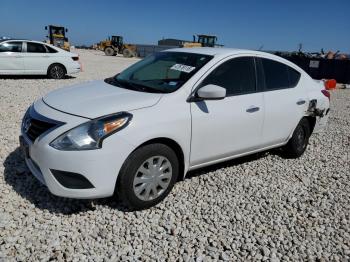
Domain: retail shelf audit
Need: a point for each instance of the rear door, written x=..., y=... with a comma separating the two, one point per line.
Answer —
x=223, y=128
x=284, y=97
x=37, y=58
x=11, y=57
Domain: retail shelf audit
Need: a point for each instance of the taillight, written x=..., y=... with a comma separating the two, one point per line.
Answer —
x=75, y=58
x=326, y=94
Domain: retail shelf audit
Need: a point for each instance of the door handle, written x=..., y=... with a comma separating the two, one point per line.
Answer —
x=18, y=56
x=253, y=109
x=45, y=56
x=301, y=102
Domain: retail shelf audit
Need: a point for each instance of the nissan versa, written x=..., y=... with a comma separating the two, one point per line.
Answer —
x=136, y=133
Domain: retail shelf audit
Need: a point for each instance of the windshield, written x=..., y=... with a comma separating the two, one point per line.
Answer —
x=162, y=72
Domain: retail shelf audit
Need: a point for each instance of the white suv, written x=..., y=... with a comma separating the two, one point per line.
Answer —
x=24, y=57
x=136, y=133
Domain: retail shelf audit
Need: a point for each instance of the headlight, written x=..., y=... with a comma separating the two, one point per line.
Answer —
x=90, y=135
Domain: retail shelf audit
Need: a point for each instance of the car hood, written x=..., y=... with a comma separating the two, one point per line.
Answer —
x=96, y=98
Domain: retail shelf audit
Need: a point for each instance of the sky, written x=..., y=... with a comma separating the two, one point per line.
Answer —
x=251, y=24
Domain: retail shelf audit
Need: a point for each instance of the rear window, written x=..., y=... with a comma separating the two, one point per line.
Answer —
x=294, y=77
x=35, y=48
x=11, y=47
x=278, y=75
x=51, y=50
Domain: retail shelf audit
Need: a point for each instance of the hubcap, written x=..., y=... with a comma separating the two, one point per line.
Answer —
x=57, y=72
x=152, y=178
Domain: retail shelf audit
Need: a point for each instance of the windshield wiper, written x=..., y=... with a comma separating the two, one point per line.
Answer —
x=145, y=88
x=132, y=85
x=121, y=83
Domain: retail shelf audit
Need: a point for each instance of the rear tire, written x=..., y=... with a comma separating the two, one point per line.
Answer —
x=56, y=71
x=109, y=51
x=147, y=176
x=297, y=144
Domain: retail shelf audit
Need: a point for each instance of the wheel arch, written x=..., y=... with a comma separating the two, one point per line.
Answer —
x=174, y=146
x=312, y=122
x=56, y=63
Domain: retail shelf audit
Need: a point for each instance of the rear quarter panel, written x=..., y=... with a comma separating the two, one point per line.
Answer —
x=314, y=88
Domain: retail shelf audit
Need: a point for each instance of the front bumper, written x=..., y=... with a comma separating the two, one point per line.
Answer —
x=100, y=167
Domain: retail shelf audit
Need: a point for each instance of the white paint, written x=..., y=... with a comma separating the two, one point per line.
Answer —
x=23, y=63
x=208, y=131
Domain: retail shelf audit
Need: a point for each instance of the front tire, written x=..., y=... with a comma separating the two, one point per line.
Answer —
x=147, y=176
x=297, y=144
x=56, y=71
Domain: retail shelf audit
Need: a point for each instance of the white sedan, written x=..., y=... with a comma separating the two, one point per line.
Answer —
x=136, y=133
x=24, y=57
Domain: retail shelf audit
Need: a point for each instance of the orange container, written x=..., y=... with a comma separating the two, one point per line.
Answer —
x=330, y=84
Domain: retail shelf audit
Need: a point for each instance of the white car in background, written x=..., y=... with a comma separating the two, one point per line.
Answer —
x=136, y=133
x=24, y=57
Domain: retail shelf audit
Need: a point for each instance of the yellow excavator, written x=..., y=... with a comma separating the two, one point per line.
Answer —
x=57, y=36
x=202, y=41
x=114, y=45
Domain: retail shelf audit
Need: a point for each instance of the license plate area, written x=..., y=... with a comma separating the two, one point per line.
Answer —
x=24, y=147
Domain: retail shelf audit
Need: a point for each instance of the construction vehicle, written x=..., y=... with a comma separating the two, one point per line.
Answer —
x=202, y=41
x=57, y=36
x=114, y=45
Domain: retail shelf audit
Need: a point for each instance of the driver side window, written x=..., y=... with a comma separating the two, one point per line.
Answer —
x=237, y=76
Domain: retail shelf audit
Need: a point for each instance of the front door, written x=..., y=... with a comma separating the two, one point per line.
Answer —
x=232, y=126
x=11, y=58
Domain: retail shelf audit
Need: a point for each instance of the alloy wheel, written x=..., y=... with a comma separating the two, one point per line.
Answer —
x=57, y=72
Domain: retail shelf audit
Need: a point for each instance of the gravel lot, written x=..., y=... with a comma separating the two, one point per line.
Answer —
x=262, y=207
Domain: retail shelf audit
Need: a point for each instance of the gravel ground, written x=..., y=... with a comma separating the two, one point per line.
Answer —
x=262, y=207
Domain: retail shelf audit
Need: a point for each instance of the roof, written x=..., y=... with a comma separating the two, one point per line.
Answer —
x=14, y=39
x=225, y=52
x=213, y=50
x=24, y=40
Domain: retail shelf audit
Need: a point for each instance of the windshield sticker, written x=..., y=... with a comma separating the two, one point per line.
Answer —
x=182, y=68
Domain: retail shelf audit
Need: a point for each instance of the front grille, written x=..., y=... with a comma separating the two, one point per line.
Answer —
x=37, y=128
x=34, y=124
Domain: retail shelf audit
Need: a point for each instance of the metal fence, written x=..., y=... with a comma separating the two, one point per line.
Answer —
x=320, y=68
x=145, y=50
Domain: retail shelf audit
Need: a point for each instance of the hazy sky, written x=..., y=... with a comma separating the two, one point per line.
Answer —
x=277, y=25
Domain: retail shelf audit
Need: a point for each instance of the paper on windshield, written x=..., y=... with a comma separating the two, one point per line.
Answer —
x=183, y=68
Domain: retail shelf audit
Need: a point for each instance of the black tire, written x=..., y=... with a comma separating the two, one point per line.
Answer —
x=56, y=71
x=109, y=51
x=297, y=144
x=127, y=53
x=125, y=188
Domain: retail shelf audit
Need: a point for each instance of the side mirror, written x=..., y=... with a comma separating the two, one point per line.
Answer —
x=211, y=92
x=66, y=30
x=45, y=27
